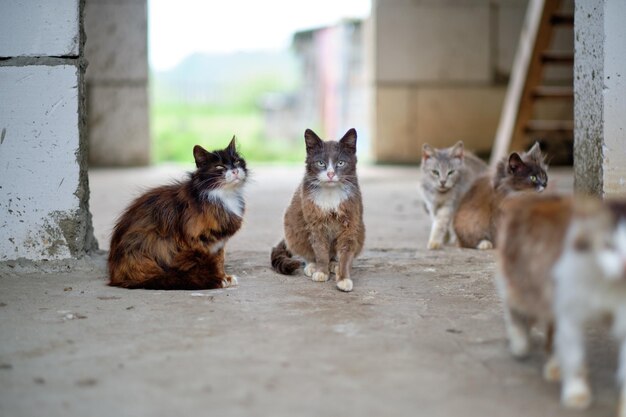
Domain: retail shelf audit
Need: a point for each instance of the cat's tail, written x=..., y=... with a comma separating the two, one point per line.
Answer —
x=282, y=261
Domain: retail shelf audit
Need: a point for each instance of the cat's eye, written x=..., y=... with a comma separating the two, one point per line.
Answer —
x=533, y=179
x=321, y=164
x=341, y=163
x=237, y=163
x=435, y=172
x=451, y=172
x=220, y=167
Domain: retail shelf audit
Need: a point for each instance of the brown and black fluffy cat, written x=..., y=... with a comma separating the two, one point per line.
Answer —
x=476, y=219
x=173, y=237
x=324, y=221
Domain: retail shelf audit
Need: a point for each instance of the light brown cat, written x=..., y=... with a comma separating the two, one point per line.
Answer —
x=476, y=220
x=324, y=221
x=562, y=264
x=530, y=236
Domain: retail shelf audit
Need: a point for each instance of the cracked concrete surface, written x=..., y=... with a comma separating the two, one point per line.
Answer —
x=420, y=335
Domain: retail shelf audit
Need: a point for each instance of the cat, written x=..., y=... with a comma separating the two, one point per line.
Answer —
x=446, y=174
x=324, y=221
x=172, y=237
x=476, y=219
x=590, y=284
x=562, y=263
x=530, y=236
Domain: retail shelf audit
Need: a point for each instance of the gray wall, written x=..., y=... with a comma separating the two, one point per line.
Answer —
x=117, y=81
x=600, y=97
x=44, y=192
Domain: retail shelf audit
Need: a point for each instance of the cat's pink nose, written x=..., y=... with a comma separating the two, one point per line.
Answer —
x=235, y=172
x=330, y=174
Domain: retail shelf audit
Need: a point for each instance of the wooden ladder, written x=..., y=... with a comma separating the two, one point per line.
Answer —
x=533, y=54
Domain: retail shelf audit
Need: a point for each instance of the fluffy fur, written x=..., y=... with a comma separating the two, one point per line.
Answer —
x=531, y=233
x=324, y=221
x=562, y=263
x=173, y=237
x=476, y=220
x=447, y=174
x=590, y=284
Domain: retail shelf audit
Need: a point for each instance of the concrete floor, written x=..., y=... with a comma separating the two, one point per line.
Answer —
x=421, y=334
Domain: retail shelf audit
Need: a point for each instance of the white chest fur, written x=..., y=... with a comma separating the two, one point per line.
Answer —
x=329, y=199
x=217, y=246
x=232, y=200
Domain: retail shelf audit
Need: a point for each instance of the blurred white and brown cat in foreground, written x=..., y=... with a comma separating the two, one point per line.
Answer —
x=562, y=263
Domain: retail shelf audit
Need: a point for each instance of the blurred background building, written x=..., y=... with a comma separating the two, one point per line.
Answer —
x=402, y=72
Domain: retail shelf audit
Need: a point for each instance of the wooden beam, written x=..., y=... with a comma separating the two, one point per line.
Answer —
x=525, y=76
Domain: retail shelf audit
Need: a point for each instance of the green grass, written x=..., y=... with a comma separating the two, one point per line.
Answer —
x=176, y=128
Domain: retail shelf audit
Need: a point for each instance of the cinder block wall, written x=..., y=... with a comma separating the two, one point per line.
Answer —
x=440, y=73
x=117, y=82
x=44, y=191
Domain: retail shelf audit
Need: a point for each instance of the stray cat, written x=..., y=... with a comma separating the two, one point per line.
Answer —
x=173, y=237
x=562, y=263
x=530, y=237
x=476, y=219
x=324, y=221
x=590, y=284
x=446, y=175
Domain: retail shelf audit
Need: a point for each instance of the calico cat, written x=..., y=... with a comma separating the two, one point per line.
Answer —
x=446, y=174
x=324, y=221
x=530, y=237
x=476, y=219
x=172, y=237
x=590, y=284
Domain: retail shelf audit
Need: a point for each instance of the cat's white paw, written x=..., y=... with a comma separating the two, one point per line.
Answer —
x=334, y=267
x=484, y=245
x=230, y=281
x=319, y=276
x=519, y=344
x=552, y=370
x=434, y=244
x=309, y=269
x=576, y=394
x=345, y=284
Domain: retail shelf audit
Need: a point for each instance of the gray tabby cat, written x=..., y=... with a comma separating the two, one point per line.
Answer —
x=447, y=174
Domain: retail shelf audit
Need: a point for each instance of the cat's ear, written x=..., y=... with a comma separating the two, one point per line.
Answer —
x=427, y=151
x=535, y=153
x=349, y=140
x=202, y=156
x=515, y=163
x=232, y=146
x=312, y=140
x=458, y=150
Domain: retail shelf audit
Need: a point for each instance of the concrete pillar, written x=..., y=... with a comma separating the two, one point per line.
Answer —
x=117, y=82
x=600, y=97
x=44, y=191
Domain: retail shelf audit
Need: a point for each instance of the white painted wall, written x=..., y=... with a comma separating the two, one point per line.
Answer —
x=37, y=159
x=614, y=96
x=39, y=28
x=44, y=211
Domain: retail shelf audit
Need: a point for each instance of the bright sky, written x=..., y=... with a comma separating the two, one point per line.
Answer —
x=178, y=28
